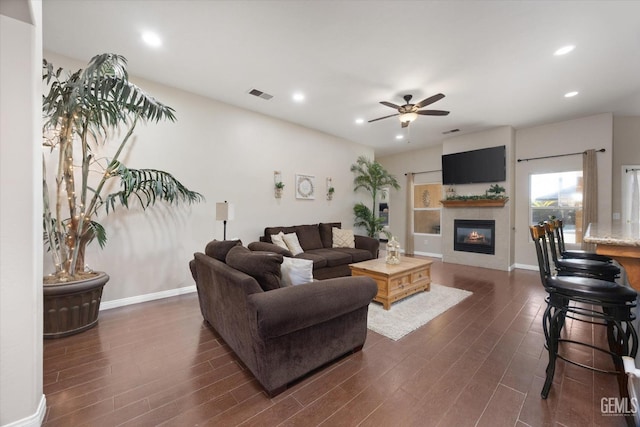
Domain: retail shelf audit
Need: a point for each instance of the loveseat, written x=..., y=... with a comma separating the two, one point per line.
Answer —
x=318, y=244
x=279, y=333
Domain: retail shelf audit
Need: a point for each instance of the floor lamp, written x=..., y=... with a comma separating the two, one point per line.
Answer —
x=224, y=213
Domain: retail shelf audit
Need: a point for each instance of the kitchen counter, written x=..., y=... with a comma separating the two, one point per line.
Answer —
x=621, y=242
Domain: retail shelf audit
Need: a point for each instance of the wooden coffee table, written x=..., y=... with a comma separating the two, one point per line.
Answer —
x=395, y=281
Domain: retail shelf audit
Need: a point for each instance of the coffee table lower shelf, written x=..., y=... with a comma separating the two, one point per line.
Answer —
x=397, y=281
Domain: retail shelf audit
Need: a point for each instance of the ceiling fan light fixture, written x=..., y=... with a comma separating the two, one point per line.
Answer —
x=408, y=117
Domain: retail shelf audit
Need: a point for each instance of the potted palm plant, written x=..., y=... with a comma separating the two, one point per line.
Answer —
x=372, y=177
x=82, y=111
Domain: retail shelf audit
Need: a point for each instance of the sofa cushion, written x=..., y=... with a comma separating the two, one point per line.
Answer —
x=262, y=266
x=333, y=257
x=309, y=237
x=326, y=233
x=343, y=238
x=318, y=260
x=357, y=255
x=296, y=271
x=218, y=249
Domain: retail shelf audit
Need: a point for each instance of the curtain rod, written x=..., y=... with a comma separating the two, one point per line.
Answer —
x=602, y=150
x=416, y=173
x=627, y=170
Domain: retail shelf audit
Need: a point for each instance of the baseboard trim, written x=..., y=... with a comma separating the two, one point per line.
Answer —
x=107, y=305
x=429, y=254
x=526, y=267
x=33, y=420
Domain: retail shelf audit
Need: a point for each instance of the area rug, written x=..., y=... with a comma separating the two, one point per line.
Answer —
x=413, y=312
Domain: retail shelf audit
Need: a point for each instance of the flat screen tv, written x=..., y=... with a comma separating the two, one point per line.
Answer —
x=470, y=167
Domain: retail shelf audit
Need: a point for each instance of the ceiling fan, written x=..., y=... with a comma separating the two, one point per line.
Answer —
x=409, y=112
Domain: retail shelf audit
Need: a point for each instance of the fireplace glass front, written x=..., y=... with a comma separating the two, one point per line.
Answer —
x=474, y=236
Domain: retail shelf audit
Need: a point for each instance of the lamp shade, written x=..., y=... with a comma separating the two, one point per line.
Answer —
x=224, y=211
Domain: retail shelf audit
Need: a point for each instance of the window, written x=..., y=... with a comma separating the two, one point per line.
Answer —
x=427, y=208
x=558, y=195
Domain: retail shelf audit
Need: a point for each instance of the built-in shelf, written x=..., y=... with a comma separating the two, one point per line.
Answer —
x=474, y=203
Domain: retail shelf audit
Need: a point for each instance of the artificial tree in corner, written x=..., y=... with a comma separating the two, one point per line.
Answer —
x=372, y=177
x=82, y=111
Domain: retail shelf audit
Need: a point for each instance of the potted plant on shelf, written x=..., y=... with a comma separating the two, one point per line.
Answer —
x=279, y=186
x=372, y=177
x=83, y=111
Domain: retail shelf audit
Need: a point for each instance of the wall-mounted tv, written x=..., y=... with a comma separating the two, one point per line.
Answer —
x=470, y=167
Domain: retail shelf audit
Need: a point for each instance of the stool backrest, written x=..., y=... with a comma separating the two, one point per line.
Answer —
x=560, y=234
x=550, y=228
x=539, y=236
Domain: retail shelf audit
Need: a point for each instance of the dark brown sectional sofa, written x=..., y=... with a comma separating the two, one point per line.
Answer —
x=279, y=333
x=317, y=240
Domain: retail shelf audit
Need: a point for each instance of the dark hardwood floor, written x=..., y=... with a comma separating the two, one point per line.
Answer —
x=480, y=363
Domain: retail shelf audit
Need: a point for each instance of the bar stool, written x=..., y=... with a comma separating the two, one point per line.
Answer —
x=576, y=266
x=585, y=299
x=559, y=229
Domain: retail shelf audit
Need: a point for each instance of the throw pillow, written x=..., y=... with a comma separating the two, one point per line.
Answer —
x=296, y=271
x=276, y=239
x=218, y=249
x=343, y=238
x=262, y=266
x=293, y=244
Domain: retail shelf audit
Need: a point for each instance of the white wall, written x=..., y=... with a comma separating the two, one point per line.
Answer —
x=572, y=136
x=225, y=153
x=21, y=399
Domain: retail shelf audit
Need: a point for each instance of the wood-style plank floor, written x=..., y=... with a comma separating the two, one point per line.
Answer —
x=480, y=363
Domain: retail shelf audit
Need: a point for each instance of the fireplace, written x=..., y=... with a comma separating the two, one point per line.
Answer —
x=471, y=235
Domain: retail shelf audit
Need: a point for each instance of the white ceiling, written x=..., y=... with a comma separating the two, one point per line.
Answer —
x=492, y=59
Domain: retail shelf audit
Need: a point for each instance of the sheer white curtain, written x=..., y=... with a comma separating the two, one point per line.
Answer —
x=408, y=247
x=589, y=193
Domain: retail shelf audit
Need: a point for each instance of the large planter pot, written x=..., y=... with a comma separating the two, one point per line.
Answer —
x=70, y=308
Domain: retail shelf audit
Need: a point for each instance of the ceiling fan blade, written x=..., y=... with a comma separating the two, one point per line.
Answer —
x=432, y=113
x=429, y=100
x=388, y=104
x=385, y=117
x=404, y=124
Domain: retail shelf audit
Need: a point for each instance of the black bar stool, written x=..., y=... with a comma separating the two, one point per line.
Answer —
x=585, y=299
x=579, y=267
x=564, y=253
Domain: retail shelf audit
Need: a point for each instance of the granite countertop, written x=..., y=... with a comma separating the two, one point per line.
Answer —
x=615, y=233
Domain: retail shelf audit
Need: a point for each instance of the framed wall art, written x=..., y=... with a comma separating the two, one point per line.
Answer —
x=305, y=187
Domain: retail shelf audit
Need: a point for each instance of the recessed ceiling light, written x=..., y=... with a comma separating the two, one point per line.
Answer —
x=399, y=136
x=570, y=94
x=298, y=96
x=152, y=39
x=564, y=50
x=359, y=121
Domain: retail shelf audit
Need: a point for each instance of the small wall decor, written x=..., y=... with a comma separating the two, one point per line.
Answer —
x=278, y=184
x=305, y=187
x=330, y=189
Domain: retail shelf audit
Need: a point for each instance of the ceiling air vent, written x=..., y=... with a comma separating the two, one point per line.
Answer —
x=260, y=94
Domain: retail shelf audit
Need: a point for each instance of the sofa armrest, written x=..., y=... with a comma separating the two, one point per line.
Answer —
x=368, y=243
x=269, y=247
x=286, y=310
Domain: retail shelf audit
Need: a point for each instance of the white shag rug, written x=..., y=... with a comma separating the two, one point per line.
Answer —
x=413, y=312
